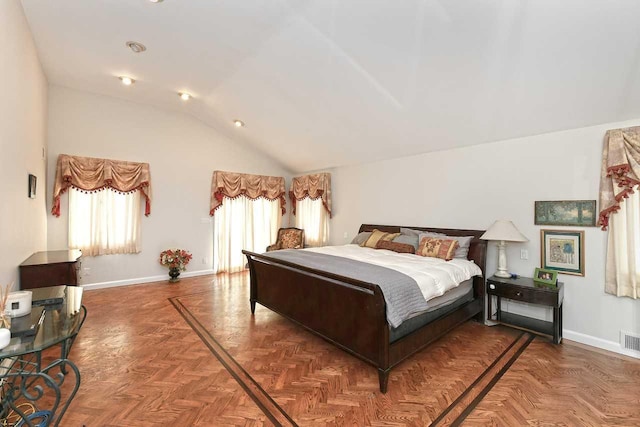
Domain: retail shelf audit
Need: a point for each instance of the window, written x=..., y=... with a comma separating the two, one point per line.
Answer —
x=623, y=268
x=104, y=202
x=242, y=223
x=620, y=210
x=247, y=213
x=104, y=222
x=311, y=199
x=313, y=218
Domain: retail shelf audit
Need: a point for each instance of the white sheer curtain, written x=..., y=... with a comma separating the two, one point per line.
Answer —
x=623, y=268
x=104, y=222
x=313, y=218
x=242, y=223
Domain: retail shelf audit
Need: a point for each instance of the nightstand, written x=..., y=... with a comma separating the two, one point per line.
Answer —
x=524, y=289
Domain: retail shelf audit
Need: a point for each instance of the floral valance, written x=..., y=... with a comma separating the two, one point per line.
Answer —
x=620, y=170
x=91, y=174
x=313, y=186
x=232, y=184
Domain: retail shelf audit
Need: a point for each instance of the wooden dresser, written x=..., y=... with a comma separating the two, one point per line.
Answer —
x=50, y=268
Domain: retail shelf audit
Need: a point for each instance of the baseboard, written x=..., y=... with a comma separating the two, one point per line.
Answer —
x=612, y=346
x=140, y=280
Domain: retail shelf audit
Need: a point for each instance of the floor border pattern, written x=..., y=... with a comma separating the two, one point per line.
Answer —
x=460, y=408
x=453, y=415
x=270, y=408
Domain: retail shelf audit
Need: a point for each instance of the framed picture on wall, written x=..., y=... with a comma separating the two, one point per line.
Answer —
x=32, y=186
x=562, y=251
x=566, y=212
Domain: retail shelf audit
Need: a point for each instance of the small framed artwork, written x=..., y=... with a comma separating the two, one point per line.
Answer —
x=547, y=277
x=566, y=212
x=32, y=186
x=562, y=251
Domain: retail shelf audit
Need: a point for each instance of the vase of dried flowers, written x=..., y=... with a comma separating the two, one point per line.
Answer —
x=176, y=260
x=5, y=319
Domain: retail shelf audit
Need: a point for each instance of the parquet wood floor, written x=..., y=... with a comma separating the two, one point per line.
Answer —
x=191, y=354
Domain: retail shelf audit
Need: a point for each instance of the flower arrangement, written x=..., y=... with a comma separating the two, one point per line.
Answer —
x=175, y=258
x=5, y=320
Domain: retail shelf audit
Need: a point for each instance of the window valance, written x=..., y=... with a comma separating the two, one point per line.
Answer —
x=91, y=174
x=620, y=170
x=232, y=184
x=312, y=186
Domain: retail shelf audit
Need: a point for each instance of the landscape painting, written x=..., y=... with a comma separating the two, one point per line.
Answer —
x=566, y=212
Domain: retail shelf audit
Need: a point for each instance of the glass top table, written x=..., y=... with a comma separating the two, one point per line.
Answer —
x=25, y=382
x=61, y=322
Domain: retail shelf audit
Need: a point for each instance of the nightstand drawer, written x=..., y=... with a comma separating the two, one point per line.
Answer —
x=512, y=292
x=523, y=293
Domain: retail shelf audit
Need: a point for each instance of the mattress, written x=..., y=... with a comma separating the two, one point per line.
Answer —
x=434, y=276
x=439, y=306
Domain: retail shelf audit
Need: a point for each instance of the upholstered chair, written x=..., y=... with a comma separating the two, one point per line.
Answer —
x=288, y=238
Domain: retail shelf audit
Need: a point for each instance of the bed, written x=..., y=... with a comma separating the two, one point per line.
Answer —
x=352, y=314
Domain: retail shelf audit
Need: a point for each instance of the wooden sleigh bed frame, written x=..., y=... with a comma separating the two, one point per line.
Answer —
x=350, y=313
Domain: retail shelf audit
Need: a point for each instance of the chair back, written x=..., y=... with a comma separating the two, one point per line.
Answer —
x=288, y=238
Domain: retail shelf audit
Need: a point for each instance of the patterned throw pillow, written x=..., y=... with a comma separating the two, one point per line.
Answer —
x=377, y=235
x=408, y=239
x=464, y=242
x=291, y=239
x=437, y=248
x=402, y=248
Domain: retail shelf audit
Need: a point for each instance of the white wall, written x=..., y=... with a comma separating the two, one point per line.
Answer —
x=472, y=187
x=182, y=153
x=23, y=117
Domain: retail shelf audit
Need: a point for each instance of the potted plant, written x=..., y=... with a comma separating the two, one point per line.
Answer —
x=175, y=260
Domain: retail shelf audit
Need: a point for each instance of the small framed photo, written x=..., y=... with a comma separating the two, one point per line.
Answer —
x=566, y=212
x=547, y=277
x=562, y=251
x=32, y=186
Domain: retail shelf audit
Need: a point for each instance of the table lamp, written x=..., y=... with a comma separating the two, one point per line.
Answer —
x=503, y=231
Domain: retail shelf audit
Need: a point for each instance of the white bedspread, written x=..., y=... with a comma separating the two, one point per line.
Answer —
x=433, y=275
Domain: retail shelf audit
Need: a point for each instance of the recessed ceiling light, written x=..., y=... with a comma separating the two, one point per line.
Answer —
x=156, y=1
x=238, y=123
x=184, y=96
x=127, y=81
x=136, y=47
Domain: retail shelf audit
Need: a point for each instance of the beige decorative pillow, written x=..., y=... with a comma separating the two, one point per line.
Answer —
x=377, y=235
x=437, y=248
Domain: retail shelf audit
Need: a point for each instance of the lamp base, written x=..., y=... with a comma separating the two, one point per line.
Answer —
x=502, y=261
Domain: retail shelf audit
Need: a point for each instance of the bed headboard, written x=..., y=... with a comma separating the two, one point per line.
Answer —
x=477, y=250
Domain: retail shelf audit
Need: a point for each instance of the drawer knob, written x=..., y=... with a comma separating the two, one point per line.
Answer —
x=518, y=294
x=492, y=286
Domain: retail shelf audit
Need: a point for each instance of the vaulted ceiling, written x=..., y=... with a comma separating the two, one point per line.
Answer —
x=322, y=83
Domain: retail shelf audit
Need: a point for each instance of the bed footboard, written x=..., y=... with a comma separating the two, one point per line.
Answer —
x=324, y=304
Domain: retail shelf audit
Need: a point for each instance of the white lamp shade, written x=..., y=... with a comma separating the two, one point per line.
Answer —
x=504, y=230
